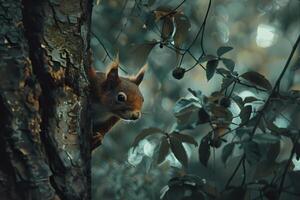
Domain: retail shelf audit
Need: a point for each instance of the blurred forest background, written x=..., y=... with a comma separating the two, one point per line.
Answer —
x=262, y=34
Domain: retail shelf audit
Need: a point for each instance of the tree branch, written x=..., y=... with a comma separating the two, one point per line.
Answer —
x=274, y=90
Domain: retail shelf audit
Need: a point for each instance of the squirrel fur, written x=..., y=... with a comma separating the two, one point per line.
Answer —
x=113, y=98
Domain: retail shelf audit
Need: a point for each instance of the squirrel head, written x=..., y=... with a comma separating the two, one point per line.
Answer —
x=119, y=95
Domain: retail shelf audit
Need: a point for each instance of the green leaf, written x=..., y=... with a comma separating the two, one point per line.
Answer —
x=179, y=151
x=265, y=138
x=186, y=122
x=224, y=72
x=252, y=152
x=185, y=138
x=145, y=133
x=268, y=165
x=195, y=93
x=257, y=79
x=262, y=125
x=204, y=151
x=229, y=64
x=184, y=106
x=245, y=113
x=162, y=12
x=179, y=188
x=226, y=82
x=241, y=132
x=182, y=29
x=264, y=168
x=238, y=100
x=163, y=149
x=222, y=50
x=295, y=177
x=273, y=152
x=167, y=28
x=250, y=99
x=207, y=58
x=227, y=151
x=275, y=129
x=297, y=150
x=211, y=67
x=203, y=116
x=141, y=52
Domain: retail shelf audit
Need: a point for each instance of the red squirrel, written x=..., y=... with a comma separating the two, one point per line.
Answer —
x=113, y=98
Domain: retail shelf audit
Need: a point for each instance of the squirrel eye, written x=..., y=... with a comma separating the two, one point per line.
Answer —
x=121, y=97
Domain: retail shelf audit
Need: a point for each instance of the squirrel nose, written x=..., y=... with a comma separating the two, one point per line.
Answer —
x=135, y=115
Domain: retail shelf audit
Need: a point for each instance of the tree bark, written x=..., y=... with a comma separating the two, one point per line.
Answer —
x=44, y=124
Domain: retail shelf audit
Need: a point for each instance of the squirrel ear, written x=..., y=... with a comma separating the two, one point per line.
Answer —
x=138, y=78
x=112, y=75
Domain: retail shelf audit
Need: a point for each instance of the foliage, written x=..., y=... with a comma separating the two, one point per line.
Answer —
x=123, y=181
x=241, y=132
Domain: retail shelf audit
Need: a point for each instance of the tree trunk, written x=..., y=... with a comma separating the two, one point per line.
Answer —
x=44, y=123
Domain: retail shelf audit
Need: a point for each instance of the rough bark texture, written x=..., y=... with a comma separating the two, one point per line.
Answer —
x=44, y=123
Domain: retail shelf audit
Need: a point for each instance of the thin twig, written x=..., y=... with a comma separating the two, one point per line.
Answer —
x=173, y=10
x=201, y=30
x=123, y=27
x=244, y=172
x=260, y=115
x=235, y=171
x=277, y=84
x=103, y=46
x=287, y=166
x=106, y=51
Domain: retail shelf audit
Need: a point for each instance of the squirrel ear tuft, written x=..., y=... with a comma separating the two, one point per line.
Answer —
x=112, y=75
x=138, y=78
